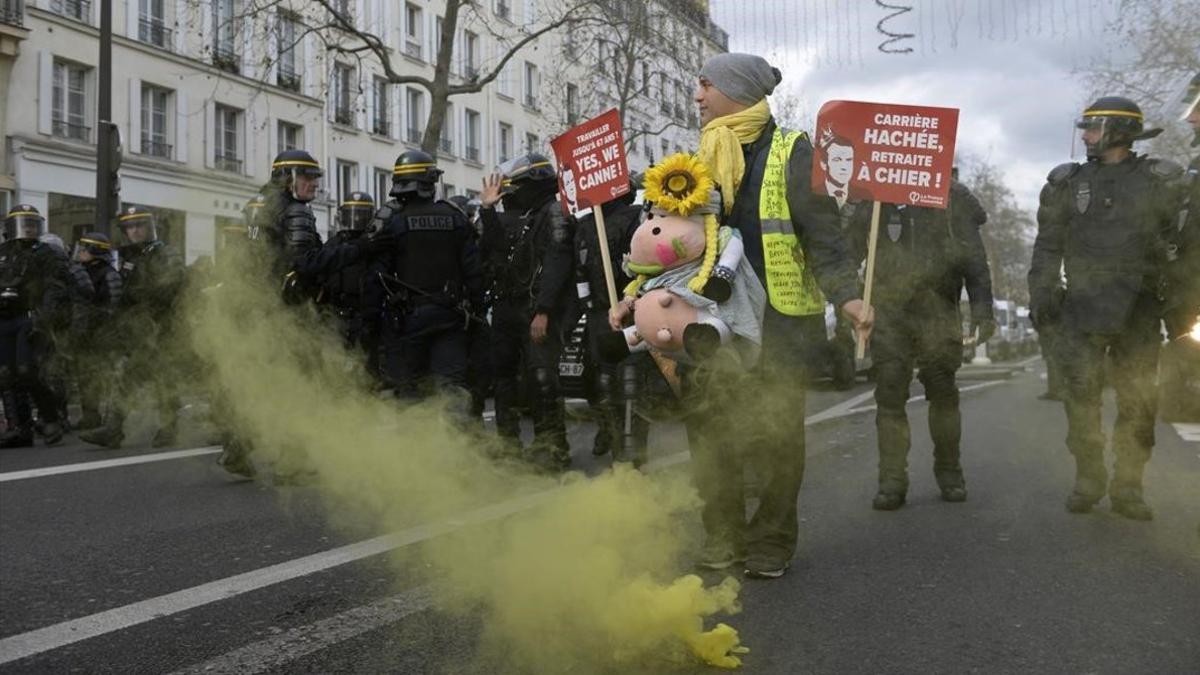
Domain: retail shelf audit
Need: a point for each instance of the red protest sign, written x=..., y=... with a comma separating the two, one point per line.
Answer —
x=591, y=162
x=900, y=154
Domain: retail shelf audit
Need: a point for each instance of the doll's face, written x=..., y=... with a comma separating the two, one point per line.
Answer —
x=665, y=242
x=660, y=318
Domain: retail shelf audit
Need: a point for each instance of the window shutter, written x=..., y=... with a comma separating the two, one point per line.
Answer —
x=133, y=144
x=181, y=126
x=45, y=92
x=210, y=140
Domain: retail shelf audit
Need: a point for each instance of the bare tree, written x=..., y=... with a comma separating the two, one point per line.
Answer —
x=1008, y=234
x=1163, y=40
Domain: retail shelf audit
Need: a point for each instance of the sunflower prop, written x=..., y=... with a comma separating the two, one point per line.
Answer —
x=680, y=184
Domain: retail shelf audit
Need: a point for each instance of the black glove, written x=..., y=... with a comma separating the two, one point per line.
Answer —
x=986, y=328
x=376, y=244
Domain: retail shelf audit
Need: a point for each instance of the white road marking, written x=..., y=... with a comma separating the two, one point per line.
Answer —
x=69, y=632
x=279, y=650
x=108, y=463
x=914, y=399
x=1188, y=432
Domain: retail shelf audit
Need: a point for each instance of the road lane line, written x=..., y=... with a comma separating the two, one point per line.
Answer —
x=279, y=650
x=1188, y=432
x=69, y=632
x=107, y=463
x=914, y=399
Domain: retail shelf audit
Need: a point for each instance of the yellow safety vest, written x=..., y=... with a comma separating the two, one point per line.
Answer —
x=791, y=286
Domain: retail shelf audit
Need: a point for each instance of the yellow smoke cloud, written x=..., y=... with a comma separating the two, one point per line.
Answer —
x=586, y=578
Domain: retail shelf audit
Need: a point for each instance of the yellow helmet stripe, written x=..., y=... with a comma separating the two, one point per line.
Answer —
x=14, y=214
x=358, y=203
x=527, y=168
x=294, y=162
x=1112, y=113
x=135, y=216
x=95, y=242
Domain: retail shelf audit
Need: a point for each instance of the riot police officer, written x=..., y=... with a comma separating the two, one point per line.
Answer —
x=530, y=299
x=924, y=258
x=31, y=292
x=479, y=334
x=1107, y=222
x=341, y=289
x=429, y=275
x=152, y=278
x=97, y=286
x=289, y=229
x=614, y=385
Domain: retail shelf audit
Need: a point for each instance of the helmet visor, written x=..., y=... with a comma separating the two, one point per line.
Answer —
x=24, y=225
x=354, y=215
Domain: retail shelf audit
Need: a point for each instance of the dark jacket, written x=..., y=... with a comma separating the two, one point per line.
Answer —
x=1108, y=226
x=928, y=254
x=621, y=218
x=814, y=217
x=96, y=294
x=537, y=256
x=33, y=279
x=290, y=230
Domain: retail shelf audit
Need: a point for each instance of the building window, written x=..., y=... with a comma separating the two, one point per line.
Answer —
x=152, y=28
x=448, y=190
x=503, y=10
x=531, y=142
x=437, y=38
x=287, y=75
x=504, y=142
x=69, y=107
x=471, y=126
x=343, y=82
x=472, y=194
x=572, y=104
x=288, y=135
x=446, y=141
x=80, y=10
x=383, y=185
x=664, y=94
x=225, y=55
x=412, y=31
x=470, y=55
x=531, y=86
x=155, y=117
x=666, y=149
x=347, y=176
x=343, y=9
x=228, y=148
x=382, y=115
x=415, y=103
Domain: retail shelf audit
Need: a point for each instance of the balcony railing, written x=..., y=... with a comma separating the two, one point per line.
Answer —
x=229, y=162
x=446, y=146
x=531, y=102
x=665, y=107
x=343, y=115
x=470, y=72
x=153, y=148
x=413, y=135
x=287, y=79
x=226, y=58
x=152, y=31
x=412, y=49
x=78, y=132
x=471, y=154
x=381, y=127
x=76, y=9
x=12, y=12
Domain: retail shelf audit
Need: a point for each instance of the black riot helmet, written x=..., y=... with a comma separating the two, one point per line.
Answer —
x=526, y=179
x=95, y=243
x=1120, y=122
x=138, y=217
x=24, y=221
x=289, y=165
x=355, y=212
x=1188, y=103
x=415, y=174
x=468, y=206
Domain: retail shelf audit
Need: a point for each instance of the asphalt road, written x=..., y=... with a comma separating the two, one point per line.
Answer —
x=169, y=565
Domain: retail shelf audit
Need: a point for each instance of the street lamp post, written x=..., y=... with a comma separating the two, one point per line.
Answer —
x=107, y=139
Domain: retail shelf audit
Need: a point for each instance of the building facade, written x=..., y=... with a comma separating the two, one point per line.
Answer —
x=206, y=92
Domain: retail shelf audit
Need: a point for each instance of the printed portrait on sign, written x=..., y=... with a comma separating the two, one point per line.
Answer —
x=836, y=157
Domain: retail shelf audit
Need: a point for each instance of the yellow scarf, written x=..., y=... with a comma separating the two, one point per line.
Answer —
x=721, y=142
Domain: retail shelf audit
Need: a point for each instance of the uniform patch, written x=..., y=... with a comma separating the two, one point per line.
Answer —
x=1083, y=196
x=895, y=228
x=430, y=223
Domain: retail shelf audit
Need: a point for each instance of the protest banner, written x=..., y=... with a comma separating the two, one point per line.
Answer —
x=883, y=152
x=592, y=171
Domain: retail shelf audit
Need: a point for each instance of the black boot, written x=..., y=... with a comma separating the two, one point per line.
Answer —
x=1090, y=481
x=892, y=428
x=165, y=436
x=20, y=437
x=52, y=433
x=109, y=436
x=952, y=484
x=90, y=420
x=1125, y=493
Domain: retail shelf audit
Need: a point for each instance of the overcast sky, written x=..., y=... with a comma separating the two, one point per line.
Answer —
x=1009, y=69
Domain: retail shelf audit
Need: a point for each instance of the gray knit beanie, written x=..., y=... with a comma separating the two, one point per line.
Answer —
x=745, y=78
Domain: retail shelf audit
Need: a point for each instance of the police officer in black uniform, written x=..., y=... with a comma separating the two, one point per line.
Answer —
x=97, y=286
x=530, y=300
x=152, y=279
x=479, y=334
x=429, y=276
x=615, y=385
x=1109, y=222
x=924, y=258
x=341, y=290
x=31, y=293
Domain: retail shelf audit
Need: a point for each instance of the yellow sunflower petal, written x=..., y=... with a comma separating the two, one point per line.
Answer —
x=680, y=184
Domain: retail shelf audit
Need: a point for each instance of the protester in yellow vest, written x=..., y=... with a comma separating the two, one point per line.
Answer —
x=795, y=246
